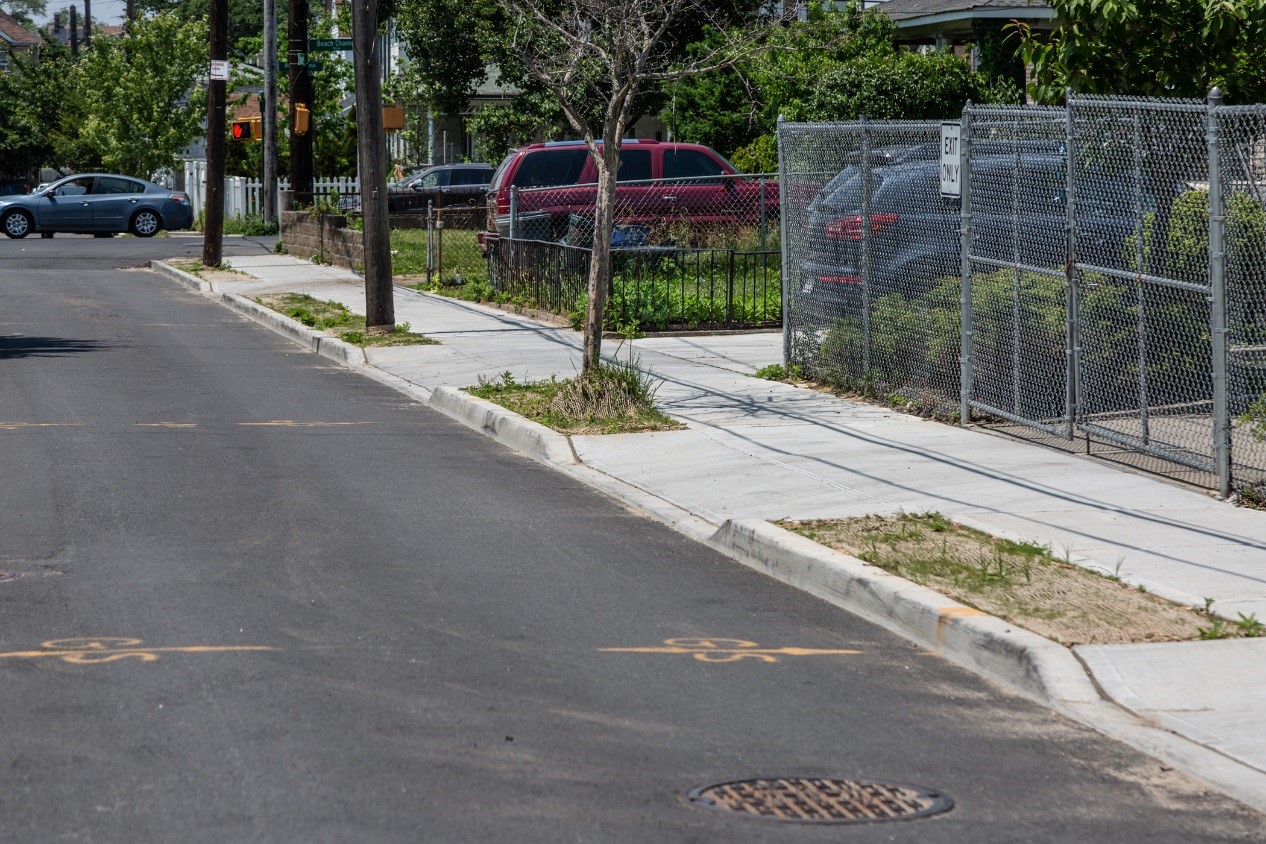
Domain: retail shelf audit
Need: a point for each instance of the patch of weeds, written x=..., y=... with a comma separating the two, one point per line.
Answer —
x=778, y=372
x=1249, y=626
x=1024, y=583
x=279, y=248
x=337, y=319
x=617, y=398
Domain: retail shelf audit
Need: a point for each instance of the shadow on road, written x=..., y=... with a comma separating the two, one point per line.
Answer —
x=26, y=347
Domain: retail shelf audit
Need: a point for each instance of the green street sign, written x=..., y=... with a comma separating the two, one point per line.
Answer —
x=329, y=45
x=284, y=67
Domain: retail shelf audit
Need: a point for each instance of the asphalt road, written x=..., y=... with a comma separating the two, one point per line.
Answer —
x=253, y=596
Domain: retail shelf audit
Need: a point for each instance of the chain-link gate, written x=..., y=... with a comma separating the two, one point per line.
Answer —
x=1016, y=295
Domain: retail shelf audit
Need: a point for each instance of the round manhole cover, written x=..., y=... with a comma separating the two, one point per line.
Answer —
x=822, y=800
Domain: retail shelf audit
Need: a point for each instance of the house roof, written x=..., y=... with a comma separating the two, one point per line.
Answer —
x=17, y=35
x=952, y=19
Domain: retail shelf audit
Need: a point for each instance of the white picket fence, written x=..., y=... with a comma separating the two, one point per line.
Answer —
x=245, y=197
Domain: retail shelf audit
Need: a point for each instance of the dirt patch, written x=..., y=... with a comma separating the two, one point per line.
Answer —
x=1022, y=583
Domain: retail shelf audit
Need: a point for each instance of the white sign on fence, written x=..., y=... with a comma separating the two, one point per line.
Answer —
x=951, y=160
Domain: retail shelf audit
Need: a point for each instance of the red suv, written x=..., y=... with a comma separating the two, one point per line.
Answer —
x=657, y=182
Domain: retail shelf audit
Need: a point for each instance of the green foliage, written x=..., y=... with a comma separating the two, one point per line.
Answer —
x=245, y=20
x=35, y=101
x=1158, y=48
x=760, y=156
x=892, y=86
x=140, y=104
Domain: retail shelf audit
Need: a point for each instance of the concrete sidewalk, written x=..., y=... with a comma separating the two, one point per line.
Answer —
x=757, y=451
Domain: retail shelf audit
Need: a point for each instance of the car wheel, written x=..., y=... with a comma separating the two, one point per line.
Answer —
x=16, y=224
x=145, y=223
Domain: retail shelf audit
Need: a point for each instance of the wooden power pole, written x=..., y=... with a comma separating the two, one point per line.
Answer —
x=213, y=220
x=300, y=95
x=380, y=314
x=270, y=112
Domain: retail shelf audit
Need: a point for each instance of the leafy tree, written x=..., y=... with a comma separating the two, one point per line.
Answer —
x=140, y=103
x=25, y=11
x=1156, y=48
x=246, y=20
x=34, y=99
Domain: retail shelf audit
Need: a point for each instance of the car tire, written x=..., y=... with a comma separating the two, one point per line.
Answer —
x=145, y=223
x=17, y=224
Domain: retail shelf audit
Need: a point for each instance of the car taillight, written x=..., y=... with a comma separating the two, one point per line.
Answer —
x=850, y=228
x=180, y=199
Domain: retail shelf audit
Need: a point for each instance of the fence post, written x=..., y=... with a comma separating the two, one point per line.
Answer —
x=782, y=242
x=965, y=309
x=1146, y=255
x=867, y=190
x=1217, y=285
x=514, y=212
x=430, y=240
x=1072, y=342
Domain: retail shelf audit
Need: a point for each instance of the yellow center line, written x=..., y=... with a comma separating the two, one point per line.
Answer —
x=14, y=426
x=292, y=423
x=166, y=424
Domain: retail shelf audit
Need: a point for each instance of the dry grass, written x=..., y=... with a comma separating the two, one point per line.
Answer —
x=1022, y=583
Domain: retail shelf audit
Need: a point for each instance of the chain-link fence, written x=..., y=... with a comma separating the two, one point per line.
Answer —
x=1106, y=265
x=453, y=256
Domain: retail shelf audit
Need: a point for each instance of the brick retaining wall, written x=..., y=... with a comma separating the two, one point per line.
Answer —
x=307, y=235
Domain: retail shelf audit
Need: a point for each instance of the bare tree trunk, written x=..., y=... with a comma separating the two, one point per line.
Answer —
x=600, y=262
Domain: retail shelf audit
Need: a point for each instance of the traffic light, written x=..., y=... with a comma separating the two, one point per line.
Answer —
x=248, y=129
x=302, y=118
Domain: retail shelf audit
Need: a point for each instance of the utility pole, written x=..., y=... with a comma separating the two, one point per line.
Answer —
x=213, y=220
x=131, y=10
x=270, y=111
x=380, y=316
x=300, y=94
x=87, y=24
x=74, y=33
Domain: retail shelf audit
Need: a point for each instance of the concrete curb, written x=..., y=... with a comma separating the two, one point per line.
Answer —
x=988, y=645
x=318, y=341
x=507, y=427
x=181, y=277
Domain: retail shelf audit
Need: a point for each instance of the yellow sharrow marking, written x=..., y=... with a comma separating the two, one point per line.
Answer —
x=90, y=651
x=291, y=423
x=727, y=650
x=13, y=426
x=166, y=424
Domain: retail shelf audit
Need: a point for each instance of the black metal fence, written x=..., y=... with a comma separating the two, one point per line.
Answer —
x=651, y=288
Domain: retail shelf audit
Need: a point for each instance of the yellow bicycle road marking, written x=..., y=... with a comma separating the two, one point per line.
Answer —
x=727, y=650
x=93, y=651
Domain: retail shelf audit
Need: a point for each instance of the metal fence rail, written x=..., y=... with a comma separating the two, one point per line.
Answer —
x=1108, y=280
x=651, y=289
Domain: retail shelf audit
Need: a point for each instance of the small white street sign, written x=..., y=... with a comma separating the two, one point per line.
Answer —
x=951, y=160
x=219, y=70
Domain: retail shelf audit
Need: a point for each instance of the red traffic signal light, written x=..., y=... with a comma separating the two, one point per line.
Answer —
x=249, y=129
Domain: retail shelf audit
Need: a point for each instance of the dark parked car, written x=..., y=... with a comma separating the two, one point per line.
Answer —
x=657, y=181
x=96, y=203
x=915, y=233
x=441, y=185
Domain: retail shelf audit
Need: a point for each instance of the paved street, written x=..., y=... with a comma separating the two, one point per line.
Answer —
x=250, y=595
